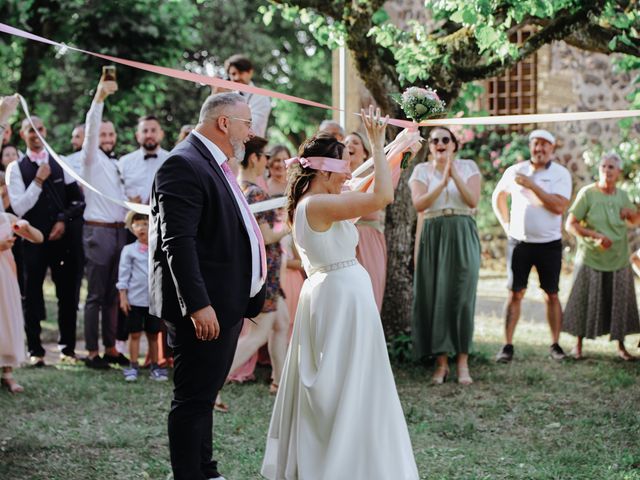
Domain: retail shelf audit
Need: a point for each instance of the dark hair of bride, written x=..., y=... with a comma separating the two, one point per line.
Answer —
x=322, y=144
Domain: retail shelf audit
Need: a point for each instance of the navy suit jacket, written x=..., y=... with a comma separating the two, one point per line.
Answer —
x=198, y=244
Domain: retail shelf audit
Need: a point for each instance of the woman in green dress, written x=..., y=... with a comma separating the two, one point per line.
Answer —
x=446, y=191
x=603, y=298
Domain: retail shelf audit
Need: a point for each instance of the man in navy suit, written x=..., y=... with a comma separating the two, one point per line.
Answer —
x=207, y=272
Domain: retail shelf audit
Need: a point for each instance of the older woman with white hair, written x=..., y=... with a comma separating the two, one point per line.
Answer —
x=603, y=299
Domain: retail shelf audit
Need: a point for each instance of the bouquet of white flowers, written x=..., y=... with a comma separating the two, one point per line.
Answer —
x=418, y=104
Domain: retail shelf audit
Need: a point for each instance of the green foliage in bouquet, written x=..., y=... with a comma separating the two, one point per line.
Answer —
x=420, y=104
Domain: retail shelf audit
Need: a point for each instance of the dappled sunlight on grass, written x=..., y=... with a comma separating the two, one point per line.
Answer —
x=532, y=419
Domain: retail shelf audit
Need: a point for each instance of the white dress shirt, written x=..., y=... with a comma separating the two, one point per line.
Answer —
x=256, y=281
x=75, y=161
x=260, y=109
x=22, y=197
x=138, y=173
x=101, y=172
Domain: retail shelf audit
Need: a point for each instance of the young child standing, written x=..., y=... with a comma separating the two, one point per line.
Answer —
x=12, y=349
x=133, y=285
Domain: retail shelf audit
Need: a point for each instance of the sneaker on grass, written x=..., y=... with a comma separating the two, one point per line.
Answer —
x=505, y=355
x=556, y=352
x=158, y=374
x=130, y=374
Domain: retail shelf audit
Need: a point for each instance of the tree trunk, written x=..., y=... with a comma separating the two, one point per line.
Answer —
x=400, y=227
x=34, y=52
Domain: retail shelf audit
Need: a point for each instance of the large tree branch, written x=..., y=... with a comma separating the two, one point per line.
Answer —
x=374, y=63
x=561, y=27
x=596, y=38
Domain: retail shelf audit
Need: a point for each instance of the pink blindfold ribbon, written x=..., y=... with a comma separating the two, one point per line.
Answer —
x=321, y=163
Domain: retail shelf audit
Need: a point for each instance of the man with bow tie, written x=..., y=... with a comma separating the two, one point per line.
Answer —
x=104, y=231
x=42, y=193
x=138, y=168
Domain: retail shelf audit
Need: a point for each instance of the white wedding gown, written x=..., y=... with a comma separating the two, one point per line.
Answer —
x=337, y=415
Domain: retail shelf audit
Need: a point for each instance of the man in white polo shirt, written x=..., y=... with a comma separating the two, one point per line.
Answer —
x=540, y=190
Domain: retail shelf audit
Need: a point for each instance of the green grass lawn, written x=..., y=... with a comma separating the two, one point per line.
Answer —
x=533, y=419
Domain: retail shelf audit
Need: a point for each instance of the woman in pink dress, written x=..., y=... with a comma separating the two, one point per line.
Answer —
x=12, y=348
x=292, y=276
x=268, y=327
x=372, y=246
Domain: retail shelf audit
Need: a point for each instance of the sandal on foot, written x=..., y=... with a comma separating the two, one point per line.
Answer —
x=440, y=376
x=273, y=388
x=463, y=376
x=626, y=356
x=576, y=355
x=8, y=382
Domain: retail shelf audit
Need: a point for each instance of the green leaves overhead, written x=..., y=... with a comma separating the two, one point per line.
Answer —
x=195, y=36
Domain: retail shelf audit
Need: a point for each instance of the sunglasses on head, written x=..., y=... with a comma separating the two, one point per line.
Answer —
x=435, y=140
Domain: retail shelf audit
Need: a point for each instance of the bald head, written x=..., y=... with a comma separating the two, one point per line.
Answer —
x=333, y=128
x=27, y=125
x=219, y=104
x=29, y=135
x=225, y=119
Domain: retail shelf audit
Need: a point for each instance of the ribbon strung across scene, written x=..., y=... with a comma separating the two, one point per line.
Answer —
x=137, y=207
x=218, y=82
x=361, y=184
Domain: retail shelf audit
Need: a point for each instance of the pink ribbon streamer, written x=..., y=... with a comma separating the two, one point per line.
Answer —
x=321, y=163
x=218, y=82
x=170, y=72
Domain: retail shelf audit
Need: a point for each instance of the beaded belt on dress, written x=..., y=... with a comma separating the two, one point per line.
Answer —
x=448, y=212
x=333, y=266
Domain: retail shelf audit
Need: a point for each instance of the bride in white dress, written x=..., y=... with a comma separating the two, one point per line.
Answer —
x=337, y=414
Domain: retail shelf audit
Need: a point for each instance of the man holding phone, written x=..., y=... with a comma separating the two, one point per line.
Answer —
x=104, y=229
x=240, y=69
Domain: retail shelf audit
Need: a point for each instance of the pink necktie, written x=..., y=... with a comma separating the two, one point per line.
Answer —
x=256, y=229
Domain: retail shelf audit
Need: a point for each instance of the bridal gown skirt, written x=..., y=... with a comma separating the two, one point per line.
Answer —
x=337, y=413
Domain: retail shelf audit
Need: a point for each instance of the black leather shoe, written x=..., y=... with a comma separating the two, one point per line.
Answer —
x=119, y=359
x=97, y=363
x=36, y=361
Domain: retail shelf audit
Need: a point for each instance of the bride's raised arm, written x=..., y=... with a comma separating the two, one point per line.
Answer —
x=322, y=210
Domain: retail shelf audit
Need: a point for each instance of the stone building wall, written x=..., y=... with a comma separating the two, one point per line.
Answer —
x=572, y=80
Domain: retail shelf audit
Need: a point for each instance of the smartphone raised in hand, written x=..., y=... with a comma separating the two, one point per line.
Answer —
x=109, y=73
